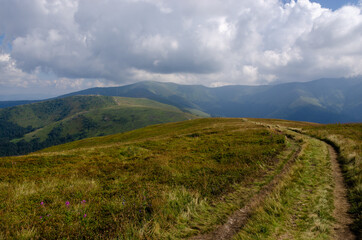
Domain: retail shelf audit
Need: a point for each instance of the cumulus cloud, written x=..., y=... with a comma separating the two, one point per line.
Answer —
x=36, y=85
x=10, y=75
x=209, y=42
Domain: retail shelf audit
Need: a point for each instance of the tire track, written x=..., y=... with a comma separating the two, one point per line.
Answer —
x=239, y=218
x=341, y=230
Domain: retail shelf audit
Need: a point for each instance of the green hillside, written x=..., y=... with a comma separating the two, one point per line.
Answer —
x=322, y=101
x=176, y=181
x=38, y=125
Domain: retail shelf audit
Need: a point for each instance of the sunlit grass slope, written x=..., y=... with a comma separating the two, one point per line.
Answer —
x=347, y=139
x=301, y=205
x=164, y=181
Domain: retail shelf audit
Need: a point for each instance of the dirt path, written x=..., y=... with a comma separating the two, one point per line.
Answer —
x=341, y=230
x=239, y=218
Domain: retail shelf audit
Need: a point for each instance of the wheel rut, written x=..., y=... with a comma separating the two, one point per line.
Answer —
x=239, y=218
x=341, y=230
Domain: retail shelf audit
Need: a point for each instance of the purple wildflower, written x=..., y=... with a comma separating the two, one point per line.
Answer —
x=84, y=215
x=41, y=217
x=84, y=201
x=41, y=203
x=67, y=203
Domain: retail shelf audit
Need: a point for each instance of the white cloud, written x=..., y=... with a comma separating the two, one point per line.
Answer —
x=15, y=81
x=10, y=75
x=209, y=42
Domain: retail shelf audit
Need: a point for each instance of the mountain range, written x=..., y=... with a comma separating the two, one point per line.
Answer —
x=321, y=101
x=27, y=126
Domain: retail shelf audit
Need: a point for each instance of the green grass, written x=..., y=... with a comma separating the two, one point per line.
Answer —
x=171, y=180
x=176, y=180
x=347, y=139
x=301, y=206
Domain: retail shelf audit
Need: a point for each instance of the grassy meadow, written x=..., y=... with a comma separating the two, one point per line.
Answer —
x=157, y=182
x=177, y=180
x=301, y=205
x=347, y=139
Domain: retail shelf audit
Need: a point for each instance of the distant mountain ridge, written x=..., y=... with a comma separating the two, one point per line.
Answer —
x=6, y=104
x=322, y=101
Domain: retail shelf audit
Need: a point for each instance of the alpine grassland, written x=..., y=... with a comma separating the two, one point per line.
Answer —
x=347, y=140
x=301, y=205
x=184, y=180
x=164, y=181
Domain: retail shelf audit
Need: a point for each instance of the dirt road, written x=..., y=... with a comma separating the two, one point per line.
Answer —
x=238, y=219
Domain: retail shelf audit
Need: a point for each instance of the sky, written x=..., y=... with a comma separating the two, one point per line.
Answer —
x=335, y=4
x=52, y=47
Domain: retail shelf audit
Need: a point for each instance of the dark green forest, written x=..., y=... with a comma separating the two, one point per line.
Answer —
x=10, y=130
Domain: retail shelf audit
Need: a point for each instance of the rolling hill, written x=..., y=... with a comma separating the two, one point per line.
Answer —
x=322, y=101
x=34, y=126
x=183, y=181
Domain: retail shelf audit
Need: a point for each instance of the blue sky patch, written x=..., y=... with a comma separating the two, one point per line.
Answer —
x=335, y=4
x=332, y=4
